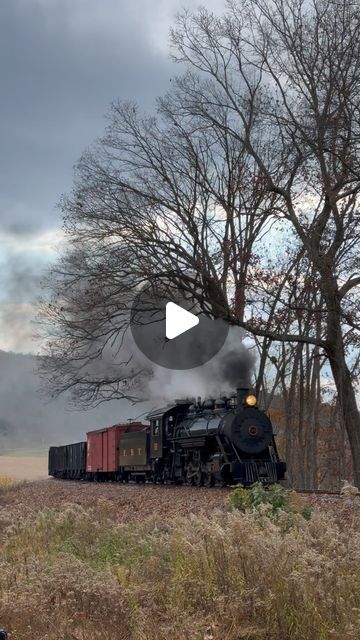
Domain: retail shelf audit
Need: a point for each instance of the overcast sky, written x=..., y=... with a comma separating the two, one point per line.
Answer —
x=61, y=64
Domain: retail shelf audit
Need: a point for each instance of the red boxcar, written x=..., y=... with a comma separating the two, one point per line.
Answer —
x=103, y=447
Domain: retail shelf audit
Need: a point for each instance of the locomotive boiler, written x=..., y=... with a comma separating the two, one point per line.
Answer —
x=224, y=441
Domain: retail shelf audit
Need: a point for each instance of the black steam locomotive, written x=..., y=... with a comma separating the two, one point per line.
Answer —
x=227, y=441
x=224, y=441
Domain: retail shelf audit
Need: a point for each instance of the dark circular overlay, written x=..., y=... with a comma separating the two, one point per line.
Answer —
x=188, y=350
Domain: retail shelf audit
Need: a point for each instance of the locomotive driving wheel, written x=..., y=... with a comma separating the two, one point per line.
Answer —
x=194, y=475
x=208, y=479
x=165, y=477
x=189, y=477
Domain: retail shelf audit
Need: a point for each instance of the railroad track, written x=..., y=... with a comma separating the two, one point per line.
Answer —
x=330, y=494
x=319, y=492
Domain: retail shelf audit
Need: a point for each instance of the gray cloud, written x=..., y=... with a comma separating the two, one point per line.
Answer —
x=61, y=64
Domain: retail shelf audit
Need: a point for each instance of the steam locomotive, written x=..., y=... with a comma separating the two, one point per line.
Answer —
x=224, y=441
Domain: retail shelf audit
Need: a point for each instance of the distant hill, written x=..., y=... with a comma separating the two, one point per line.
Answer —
x=27, y=419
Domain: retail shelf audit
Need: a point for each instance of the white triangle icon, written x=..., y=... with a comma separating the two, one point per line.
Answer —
x=178, y=320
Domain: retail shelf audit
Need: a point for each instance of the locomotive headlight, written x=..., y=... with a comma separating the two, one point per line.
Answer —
x=250, y=401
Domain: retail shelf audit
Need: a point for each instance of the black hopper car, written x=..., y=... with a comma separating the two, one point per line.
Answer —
x=224, y=441
x=68, y=461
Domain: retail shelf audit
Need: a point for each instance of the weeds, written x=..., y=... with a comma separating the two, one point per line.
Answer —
x=235, y=575
x=7, y=483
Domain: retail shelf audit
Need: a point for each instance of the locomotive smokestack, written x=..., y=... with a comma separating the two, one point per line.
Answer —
x=241, y=393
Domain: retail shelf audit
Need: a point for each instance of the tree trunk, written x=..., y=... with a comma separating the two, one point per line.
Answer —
x=293, y=447
x=349, y=411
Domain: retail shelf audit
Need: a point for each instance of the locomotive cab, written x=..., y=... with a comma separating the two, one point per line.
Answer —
x=162, y=425
x=163, y=422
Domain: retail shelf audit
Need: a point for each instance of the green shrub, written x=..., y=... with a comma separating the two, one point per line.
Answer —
x=272, y=500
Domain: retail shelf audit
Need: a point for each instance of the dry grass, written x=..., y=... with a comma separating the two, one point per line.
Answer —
x=8, y=483
x=74, y=573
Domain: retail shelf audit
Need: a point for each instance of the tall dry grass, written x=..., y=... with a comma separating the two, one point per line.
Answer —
x=8, y=483
x=76, y=575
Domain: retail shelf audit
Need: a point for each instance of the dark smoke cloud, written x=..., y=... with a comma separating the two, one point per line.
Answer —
x=232, y=367
x=236, y=366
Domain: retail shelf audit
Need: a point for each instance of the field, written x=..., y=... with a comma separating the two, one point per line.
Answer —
x=24, y=464
x=129, y=562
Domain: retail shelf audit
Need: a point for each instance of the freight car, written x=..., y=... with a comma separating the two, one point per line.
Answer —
x=68, y=462
x=222, y=441
x=103, y=446
x=96, y=459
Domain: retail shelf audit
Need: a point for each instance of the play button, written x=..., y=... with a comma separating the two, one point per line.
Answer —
x=178, y=320
x=172, y=332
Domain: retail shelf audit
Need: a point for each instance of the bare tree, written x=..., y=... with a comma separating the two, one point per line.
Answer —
x=287, y=74
x=158, y=204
